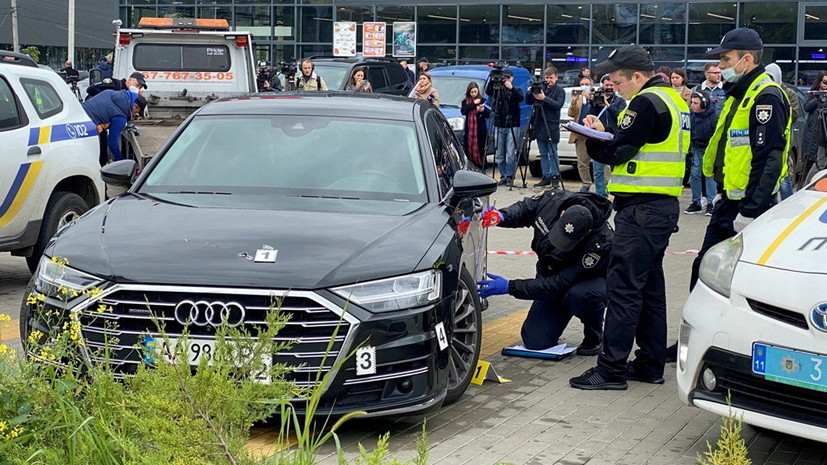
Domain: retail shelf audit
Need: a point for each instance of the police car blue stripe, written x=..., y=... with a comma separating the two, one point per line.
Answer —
x=61, y=132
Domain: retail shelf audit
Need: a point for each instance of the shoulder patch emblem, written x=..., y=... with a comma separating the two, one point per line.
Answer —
x=763, y=113
x=107, y=81
x=628, y=119
x=590, y=260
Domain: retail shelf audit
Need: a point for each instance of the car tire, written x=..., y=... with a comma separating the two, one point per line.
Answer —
x=535, y=168
x=63, y=207
x=466, y=338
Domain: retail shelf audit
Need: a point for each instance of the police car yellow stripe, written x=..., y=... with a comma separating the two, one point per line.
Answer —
x=20, y=188
x=45, y=133
x=781, y=237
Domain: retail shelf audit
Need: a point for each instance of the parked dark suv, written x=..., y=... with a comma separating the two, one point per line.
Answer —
x=385, y=75
x=357, y=223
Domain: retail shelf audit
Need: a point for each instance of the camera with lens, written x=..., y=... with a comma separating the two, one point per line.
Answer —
x=265, y=73
x=496, y=75
x=598, y=94
x=536, y=82
x=288, y=69
x=71, y=79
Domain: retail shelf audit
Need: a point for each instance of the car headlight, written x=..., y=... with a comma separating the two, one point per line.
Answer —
x=457, y=124
x=54, y=279
x=409, y=291
x=718, y=265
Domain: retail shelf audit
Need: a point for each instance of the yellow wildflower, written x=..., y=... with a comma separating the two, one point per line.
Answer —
x=60, y=261
x=2, y=426
x=5, y=317
x=5, y=351
x=35, y=297
x=35, y=336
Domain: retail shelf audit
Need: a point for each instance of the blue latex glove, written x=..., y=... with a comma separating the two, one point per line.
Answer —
x=497, y=285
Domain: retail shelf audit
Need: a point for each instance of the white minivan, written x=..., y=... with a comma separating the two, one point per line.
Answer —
x=49, y=171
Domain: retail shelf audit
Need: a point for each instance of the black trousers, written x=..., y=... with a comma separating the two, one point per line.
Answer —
x=103, y=143
x=720, y=228
x=637, y=289
x=547, y=319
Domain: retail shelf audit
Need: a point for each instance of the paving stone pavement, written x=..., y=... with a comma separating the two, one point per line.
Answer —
x=537, y=418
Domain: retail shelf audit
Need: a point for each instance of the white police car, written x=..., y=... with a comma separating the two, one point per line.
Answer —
x=49, y=171
x=755, y=326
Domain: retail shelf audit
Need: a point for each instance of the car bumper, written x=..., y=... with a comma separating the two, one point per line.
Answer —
x=411, y=371
x=720, y=332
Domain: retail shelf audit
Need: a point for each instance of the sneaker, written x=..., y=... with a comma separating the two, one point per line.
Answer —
x=631, y=375
x=708, y=210
x=509, y=181
x=555, y=182
x=503, y=180
x=588, y=350
x=593, y=380
x=694, y=209
x=585, y=188
x=543, y=183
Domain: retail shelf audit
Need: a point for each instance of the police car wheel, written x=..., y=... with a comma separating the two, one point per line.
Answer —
x=62, y=209
x=466, y=338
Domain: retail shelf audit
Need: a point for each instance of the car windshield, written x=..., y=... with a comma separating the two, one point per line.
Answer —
x=296, y=156
x=332, y=75
x=452, y=89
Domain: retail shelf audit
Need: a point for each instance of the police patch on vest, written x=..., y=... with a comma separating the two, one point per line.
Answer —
x=738, y=137
x=590, y=260
x=107, y=81
x=628, y=119
x=685, y=121
x=763, y=113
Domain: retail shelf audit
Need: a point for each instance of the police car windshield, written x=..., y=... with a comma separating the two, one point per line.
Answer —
x=332, y=75
x=452, y=89
x=313, y=156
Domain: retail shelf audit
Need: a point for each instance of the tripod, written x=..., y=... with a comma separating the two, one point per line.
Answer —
x=500, y=106
x=525, y=145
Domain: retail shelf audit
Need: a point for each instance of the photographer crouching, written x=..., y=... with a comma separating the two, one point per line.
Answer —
x=546, y=122
x=572, y=240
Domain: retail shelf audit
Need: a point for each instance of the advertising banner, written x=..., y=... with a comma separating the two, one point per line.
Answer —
x=373, y=39
x=404, y=39
x=344, y=39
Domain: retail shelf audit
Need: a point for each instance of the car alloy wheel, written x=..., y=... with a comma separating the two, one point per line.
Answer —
x=465, y=339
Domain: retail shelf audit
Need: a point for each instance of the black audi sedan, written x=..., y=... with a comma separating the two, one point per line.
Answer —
x=359, y=212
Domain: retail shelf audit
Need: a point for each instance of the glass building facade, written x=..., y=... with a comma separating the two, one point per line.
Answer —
x=568, y=35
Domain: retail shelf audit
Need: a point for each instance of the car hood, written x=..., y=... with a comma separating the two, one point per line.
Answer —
x=791, y=235
x=137, y=240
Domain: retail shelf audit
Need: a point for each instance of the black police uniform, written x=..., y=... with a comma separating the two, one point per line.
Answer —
x=767, y=142
x=568, y=283
x=644, y=222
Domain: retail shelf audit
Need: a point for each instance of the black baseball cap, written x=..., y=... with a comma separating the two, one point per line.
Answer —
x=140, y=78
x=629, y=57
x=742, y=38
x=423, y=60
x=575, y=222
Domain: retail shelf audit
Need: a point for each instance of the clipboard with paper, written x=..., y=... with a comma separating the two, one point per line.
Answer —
x=588, y=132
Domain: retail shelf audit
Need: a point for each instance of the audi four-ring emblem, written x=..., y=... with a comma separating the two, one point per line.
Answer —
x=203, y=313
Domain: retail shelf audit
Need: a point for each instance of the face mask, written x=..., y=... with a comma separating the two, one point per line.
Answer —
x=585, y=88
x=134, y=90
x=729, y=74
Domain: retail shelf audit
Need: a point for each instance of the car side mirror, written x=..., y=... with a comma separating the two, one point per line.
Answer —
x=120, y=173
x=95, y=77
x=468, y=184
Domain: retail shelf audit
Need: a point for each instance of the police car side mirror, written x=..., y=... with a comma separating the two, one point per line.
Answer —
x=95, y=77
x=120, y=173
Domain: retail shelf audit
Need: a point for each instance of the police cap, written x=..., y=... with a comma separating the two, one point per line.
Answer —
x=629, y=57
x=742, y=38
x=575, y=222
x=140, y=78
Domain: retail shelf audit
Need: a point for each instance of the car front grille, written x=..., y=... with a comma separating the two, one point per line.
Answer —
x=752, y=392
x=312, y=324
x=785, y=316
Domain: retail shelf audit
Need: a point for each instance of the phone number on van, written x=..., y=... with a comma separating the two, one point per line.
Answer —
x=181, y=76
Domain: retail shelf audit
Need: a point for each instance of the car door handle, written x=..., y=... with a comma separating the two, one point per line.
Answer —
x=34, y=151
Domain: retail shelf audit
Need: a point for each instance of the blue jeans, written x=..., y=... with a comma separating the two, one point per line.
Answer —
x=599, y=172
x=695, y=173
x=549, y=160
x=786, y=188
x=506, y=156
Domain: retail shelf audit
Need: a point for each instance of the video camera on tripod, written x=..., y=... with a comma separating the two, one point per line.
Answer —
x=288, y=69
x=536, y=82
x=72, y=80
x=496, y=76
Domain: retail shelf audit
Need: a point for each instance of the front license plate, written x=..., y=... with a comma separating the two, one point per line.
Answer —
x=197, y=350
x=793, y=367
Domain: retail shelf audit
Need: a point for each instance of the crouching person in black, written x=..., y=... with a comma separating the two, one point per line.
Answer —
x=572, y=240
